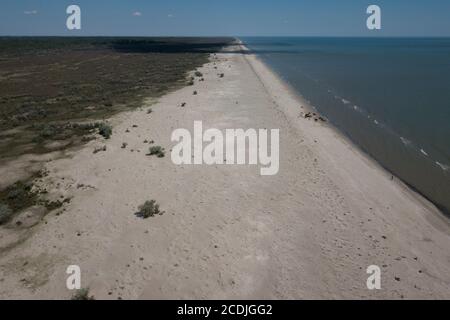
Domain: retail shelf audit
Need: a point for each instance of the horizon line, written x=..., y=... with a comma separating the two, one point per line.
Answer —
x=219, y=36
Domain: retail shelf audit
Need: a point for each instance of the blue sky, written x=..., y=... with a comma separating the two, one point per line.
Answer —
x=226, y=17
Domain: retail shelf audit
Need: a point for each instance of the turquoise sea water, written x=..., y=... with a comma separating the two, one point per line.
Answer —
x=390, y=96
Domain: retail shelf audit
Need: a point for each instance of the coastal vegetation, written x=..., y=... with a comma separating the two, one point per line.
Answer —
x=56, y=92
x=149, y=209
x=82, y=294
x=156, y=151
x=49, y=84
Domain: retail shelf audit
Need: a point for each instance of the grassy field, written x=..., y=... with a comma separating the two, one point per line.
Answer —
x=48, y=84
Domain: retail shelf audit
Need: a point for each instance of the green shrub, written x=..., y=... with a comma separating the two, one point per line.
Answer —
x=105, y=130
x=48, y=131
x=157, y=151
x=82, y=294
x=198, y=74
x=86, y=126
x=5, y=213
x=149, y=209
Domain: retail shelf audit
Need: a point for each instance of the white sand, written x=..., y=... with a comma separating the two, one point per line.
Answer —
x=308, y=232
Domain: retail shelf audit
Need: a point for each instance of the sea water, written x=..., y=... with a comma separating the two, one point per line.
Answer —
x=390, y=96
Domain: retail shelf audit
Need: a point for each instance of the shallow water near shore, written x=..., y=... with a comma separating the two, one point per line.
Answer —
x=389, y=96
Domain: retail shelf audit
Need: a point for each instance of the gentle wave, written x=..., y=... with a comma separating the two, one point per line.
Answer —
x=443, y=166
x=406, y=142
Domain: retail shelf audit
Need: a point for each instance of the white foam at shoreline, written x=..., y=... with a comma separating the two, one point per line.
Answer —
x=405, y=141
x=443, y=166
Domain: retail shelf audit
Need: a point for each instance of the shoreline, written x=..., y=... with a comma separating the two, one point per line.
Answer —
x=420, y=197
x=444, y=210
x=441, y=210
x=227, y=233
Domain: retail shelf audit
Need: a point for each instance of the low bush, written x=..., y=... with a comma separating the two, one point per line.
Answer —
x=157, y=151
x=149, y=209
x=82, y=294
x=5, y=213
x=105, y=130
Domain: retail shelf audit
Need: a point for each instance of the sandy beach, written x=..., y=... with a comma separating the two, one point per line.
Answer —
x=227, y=232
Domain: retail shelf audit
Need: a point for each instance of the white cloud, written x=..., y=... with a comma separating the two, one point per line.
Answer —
x=170, y=15
x=137, y=14
x=30, y=12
